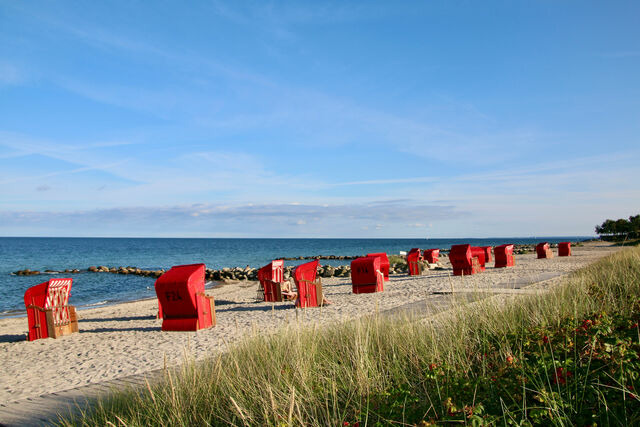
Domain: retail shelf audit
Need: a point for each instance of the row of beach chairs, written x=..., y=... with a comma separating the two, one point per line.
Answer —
x=184, y=306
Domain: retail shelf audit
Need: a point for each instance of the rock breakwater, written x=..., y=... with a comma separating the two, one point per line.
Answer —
x=251, y=274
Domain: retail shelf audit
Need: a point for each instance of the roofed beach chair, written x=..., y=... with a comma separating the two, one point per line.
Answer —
x=183, y=303
x=543, y=250
x=478, y=252
x=309, y=291
x=384, y=263
x=462, y=260
x=487, y=254
x=564, y=249
x=504, y=256
x=48, y=312
x=366, y=276
x=413, y=262
x=431, y=255
x=271, y=277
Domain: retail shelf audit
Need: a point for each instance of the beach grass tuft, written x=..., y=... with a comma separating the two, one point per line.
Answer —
x=566, y=356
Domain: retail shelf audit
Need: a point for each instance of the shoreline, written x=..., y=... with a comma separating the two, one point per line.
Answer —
x=125, y=338
x=225, y=275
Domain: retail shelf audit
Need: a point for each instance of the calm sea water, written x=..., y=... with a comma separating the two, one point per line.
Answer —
x=93, y=289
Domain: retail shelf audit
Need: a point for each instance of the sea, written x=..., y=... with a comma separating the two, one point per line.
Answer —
x=99, y=289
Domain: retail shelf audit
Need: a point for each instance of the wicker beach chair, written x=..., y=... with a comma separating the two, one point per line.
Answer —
x=384, y=264
x=543, y=250
x=564, y=249
x=431, y=255
x=487, y=254
x=48, y=312
x=414, y=264
x=182, y=301
x=366, y=276
x=504, y=256
x=309, y=291
x=462, y=260
x=271, y=277
x=479, y=252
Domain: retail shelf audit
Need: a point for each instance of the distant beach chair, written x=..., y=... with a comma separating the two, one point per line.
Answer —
x=464, y=263
x=487, y=254
x=271, y=277
x=564, y=249
x=431, y=255
x=543, y=250
x=309, y=291
x=479, y=252
x=504, y=256
x=413, y=262
x=48, y=312
x=366, y=276
x=182, y=301
x=384, y=263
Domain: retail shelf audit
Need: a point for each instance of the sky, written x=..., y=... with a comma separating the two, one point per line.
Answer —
x=318, y=119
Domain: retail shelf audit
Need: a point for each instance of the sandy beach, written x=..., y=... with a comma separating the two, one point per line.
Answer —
x=125, y=339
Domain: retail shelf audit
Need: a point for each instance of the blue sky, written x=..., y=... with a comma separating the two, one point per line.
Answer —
x=318, y=119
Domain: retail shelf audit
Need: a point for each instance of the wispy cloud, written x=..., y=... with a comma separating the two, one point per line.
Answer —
x=326, y=118
x=239, y=220
x=21, y=144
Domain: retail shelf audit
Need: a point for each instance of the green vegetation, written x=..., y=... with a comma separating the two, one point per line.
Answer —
x=566, y=357
x=621, y=229
x=397, y=259
x=631, y=242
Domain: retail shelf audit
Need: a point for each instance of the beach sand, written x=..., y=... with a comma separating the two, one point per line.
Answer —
x=125, y=339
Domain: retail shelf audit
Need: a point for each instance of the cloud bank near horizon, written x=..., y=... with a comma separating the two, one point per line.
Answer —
x=250, y=220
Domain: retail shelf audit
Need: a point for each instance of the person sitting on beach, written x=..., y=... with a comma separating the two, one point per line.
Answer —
x=287, y=293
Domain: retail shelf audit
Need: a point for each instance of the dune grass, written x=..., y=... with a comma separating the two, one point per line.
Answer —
x=397, y=259
x=565, y=357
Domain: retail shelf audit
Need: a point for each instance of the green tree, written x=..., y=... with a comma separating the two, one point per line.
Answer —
x=620, y=228
x=634, y=225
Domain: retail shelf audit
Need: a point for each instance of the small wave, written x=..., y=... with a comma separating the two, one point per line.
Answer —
x=96, y=303
x=12, y=313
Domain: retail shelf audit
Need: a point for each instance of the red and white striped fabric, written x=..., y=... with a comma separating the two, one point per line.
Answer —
x=57, y=298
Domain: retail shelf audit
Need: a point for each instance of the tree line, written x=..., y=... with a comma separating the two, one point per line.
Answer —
x=620, y=228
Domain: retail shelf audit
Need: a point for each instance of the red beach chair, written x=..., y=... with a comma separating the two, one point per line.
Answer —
x=413, y=260
x=564, y=249
x=48, y=312
x=478, y=252
x=543, y=250
x=309, y=291
x=431, y=255
x=384, y=263
x=487, y=254
x=462, y=260
x=183, y=303
x=366, y=276
x=504, y=256
x=271, y=277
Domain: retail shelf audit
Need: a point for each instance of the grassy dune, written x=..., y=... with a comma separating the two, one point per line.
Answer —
x=569, y=356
